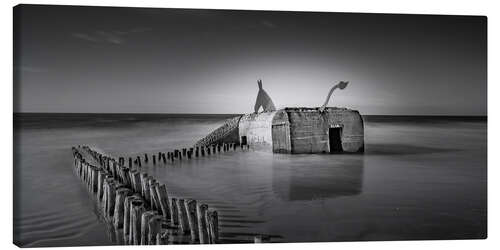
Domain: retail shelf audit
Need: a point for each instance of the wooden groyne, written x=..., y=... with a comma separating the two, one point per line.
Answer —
x=178, y=155
x=138, y=206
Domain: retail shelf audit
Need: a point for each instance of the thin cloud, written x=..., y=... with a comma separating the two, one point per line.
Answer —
x=112, y=37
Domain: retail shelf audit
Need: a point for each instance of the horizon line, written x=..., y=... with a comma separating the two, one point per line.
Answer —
x=156, y=113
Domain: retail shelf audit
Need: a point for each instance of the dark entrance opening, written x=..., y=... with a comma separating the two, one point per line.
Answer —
x=334, y=136
x=243, y=140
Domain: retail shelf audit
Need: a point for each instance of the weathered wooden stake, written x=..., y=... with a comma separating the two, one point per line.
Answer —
x=126, y=215
x=100, y=181
x=139, y=161
x=161, y=192
x=146, y=216
x=152, y=194
x=145, y=186
x=154, y=159
x=183, y=221
x=136, y=210
x=174, y=217
x=145, y=157
x=110, y=197
x=154, y=228
x=202, y=223
x=192, y=218
x=212, y=227
x=118, y=216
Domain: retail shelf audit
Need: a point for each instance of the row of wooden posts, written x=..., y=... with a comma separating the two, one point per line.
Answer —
x=140, y=206
x=178, y=154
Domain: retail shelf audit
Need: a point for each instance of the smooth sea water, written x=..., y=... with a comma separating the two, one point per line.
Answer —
x=419, y=178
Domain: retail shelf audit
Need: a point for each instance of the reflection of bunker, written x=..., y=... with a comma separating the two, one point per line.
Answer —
x=295, y=182
x=294, y=130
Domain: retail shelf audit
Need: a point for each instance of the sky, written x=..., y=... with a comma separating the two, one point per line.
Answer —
x=149, y=60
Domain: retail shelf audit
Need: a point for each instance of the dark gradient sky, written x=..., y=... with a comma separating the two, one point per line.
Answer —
x=95, y=59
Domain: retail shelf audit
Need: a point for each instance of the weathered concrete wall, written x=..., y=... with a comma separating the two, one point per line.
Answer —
x=309, y=129
x=281, y=133
x=257, y=128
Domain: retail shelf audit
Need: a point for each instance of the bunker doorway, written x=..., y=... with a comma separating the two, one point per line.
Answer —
x=334, y=137
x=243, y=140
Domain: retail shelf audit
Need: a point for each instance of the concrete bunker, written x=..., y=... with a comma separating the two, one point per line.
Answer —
x=304, y=130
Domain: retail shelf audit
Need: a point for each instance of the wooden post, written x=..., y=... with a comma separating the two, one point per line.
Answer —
x=152, y=194
x=192, y=218
x=145, y=157
x=202, y=223
x=95, y=177
x=174, y=217
x=139, y=161
x=163, y=200
x=184, y=152
x=118, y=216
x=181, y=211
x=100, y=181
x=130, y=162
x=146, y=216
x=154, y=229
x=145, y=185
x=110, y=197
x=126, y=177
x=136, y=210
x=212, y=227
x=154, y=159
x=126, y=215
x=164, y=159
x=136, y=181
x=202, y=151
x=208, y=150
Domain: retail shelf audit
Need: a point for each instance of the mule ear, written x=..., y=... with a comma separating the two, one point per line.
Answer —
x=259, y=82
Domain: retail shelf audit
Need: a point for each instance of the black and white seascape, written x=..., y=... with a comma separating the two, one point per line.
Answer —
x=289, y=126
